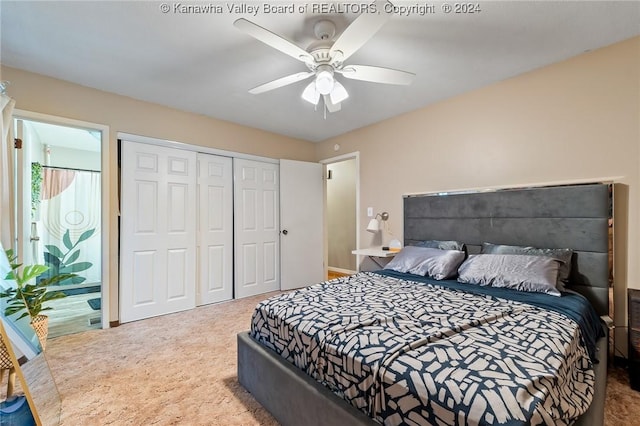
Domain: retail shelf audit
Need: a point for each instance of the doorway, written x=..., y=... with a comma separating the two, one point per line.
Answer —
x=59, y=216
x=342, y=206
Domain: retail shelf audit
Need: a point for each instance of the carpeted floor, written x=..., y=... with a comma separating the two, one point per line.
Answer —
x=180, y=369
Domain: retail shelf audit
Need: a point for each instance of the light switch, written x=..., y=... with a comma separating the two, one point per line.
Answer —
x=369, y=211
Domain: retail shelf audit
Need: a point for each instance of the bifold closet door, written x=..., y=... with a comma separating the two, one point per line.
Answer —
x=257, y=227
x=158, y=231
x=215, y=229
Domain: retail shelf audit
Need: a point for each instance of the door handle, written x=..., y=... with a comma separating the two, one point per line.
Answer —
x=285, y=232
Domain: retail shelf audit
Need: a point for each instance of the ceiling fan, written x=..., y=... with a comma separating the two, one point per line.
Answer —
x=325, y=57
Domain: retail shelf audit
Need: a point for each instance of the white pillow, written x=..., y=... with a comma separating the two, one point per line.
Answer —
x=432, y=262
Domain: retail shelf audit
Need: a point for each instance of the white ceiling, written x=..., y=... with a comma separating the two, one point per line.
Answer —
x=201, y=63
x=65, y=137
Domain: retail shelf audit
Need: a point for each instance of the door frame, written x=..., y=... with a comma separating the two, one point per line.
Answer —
x=105, y=177
x=349, y=156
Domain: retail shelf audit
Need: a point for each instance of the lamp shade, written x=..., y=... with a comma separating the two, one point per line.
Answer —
x=374, y=225
x=310, y=94
x=338, y=94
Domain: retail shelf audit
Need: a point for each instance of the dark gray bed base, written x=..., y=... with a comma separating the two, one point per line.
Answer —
x=569, y=216
x=295, y=399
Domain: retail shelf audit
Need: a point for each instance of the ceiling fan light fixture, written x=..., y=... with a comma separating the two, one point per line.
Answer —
x=338, y=94
x=310, y=94
x=324, y=82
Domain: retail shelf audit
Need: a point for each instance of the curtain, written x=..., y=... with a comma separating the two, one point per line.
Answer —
x=6, y=172
x=71, y=206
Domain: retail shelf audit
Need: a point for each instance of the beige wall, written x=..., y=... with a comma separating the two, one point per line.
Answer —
x=575, y=120
x=341, y=214
x=37, y=93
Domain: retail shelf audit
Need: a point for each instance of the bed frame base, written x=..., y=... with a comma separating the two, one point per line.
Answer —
x=294, y=398
x=291, y=396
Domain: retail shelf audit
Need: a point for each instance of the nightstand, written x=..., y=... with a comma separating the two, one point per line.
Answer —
x=376, y=256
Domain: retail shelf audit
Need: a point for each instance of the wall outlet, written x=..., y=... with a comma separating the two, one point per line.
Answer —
x=370, y=211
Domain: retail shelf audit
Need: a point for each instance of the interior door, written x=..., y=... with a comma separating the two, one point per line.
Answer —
x=158, y=231
x=215, y=229
x=257, y=227
x=301, y=218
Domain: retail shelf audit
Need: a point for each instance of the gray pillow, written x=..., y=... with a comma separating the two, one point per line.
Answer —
x=563, y=255
x=434, y=263
x=442, y=245
x=519, y=272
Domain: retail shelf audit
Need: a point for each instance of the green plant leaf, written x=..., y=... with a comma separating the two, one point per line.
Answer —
x=85, y=235
x=74, y=256
x=54, y=250
x=29, y=272
x=7, y=293
x=51, y=260
x=11, y=255
x=74, y=280
x=28, y=297
x=26, y=314
x=67, y=240
x=54, y=280
x=76, y=267
x=53, y=295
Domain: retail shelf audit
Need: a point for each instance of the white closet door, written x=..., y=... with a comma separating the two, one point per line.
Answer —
x=158, y=226
x=256, y=215
x=215, y=229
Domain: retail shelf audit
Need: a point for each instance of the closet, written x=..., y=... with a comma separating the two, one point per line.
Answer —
x=177, y=229
x=199, y=228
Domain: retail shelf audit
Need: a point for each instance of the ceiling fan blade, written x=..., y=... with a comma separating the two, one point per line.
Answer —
x=360, y=31
x=331, y=107
x=377, y=74
x=280, y=82
x=273, y=40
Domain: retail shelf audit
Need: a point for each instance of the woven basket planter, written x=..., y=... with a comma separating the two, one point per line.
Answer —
x=41, y=326
x=5, y=359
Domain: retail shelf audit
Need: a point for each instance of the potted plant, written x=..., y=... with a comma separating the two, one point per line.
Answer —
x=31, y=297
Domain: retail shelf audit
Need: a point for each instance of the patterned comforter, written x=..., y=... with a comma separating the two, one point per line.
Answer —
x=414, y=353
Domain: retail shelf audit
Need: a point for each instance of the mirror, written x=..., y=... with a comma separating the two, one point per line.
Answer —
x=35, y=397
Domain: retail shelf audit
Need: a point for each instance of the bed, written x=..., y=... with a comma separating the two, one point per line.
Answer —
x=410, y=342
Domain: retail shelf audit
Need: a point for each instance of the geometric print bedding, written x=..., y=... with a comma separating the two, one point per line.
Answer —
x=408, y=353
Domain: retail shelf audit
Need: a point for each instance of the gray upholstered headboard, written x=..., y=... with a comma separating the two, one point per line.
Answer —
x=571, y=216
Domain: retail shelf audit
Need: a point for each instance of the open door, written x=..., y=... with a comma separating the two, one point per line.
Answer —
x=59, y=211
x=301, y=224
